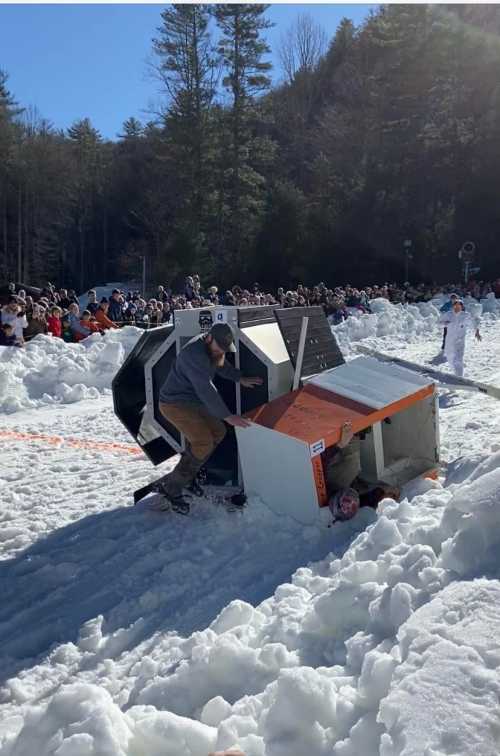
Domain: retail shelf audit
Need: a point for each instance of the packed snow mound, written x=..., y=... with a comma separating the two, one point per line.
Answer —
x=490, y=303
x=448, y=674
x=406, y=322
x=386, y=319
x=49, y=371
x=389, y=650
x=387, y=646
x=105, y=290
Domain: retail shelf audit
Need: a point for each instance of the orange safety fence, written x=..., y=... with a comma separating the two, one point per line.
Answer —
x=78, y=443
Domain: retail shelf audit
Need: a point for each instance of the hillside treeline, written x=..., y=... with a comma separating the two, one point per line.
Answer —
x=389, y=131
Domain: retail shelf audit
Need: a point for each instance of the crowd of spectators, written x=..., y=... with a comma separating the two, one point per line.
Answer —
x=52, y=312
x=58, y=312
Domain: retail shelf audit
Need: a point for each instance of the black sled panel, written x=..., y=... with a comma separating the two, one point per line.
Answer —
x=129, y=391
x=321, y=351
x=251, y=316
x=250, y=364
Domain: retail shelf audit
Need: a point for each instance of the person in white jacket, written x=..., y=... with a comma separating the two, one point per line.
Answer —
x=458, y=322
x=13, y=314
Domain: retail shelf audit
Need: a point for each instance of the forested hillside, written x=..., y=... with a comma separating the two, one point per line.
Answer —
x=389, y=132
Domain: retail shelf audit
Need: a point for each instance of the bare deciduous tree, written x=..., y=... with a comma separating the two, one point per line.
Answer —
x=302, y=45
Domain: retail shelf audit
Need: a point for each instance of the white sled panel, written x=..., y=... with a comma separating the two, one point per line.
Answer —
x=267, y=340
x=370, y=382
x=278, y=469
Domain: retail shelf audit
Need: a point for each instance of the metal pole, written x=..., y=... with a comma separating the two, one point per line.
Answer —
x=300, y=353
x=144, y=276
x=406, y=265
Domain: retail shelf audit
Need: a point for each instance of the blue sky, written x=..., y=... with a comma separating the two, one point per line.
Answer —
x=76, y=61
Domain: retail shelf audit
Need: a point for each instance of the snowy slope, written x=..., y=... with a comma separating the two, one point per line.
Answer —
x=125, y=632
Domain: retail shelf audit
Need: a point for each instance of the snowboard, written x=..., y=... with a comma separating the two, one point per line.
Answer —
x=232, y=498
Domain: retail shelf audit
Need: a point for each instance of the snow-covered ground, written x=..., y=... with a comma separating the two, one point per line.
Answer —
x=125, y=632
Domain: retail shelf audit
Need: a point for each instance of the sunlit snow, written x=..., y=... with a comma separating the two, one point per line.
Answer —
x=125, y=632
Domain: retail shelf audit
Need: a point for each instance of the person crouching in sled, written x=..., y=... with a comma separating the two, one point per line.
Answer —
x=190, y=401
x=458, y=322
x=346, y=490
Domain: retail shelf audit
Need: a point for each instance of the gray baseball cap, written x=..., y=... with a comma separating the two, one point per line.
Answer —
x=222, y=333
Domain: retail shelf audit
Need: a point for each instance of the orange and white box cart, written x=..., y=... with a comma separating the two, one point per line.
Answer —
x=395, y=410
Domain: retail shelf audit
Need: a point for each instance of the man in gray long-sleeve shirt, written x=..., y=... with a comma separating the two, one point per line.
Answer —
x=190, y=401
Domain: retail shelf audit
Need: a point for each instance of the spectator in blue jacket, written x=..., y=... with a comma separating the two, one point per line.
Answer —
x=78, y=331
x=449, y=304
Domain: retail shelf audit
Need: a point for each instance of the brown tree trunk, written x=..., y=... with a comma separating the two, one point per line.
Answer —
x=19, y=271
x=5, y=237
x=26, y=236
x=81, y=241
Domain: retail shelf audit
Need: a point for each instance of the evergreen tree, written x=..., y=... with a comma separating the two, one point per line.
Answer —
x=393, y=133
x=9, y=170
x=132, y=129
x=188, y=69
x=85, y=143
x=246, y=75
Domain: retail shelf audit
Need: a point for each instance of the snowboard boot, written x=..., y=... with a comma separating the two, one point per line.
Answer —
x=181, y=476
x=179, y=505
x=195, y=488
x=175, y=503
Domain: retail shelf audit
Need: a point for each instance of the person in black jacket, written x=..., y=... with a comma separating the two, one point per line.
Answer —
x=115, y=310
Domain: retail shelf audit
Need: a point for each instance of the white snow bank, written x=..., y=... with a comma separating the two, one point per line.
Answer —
x=444, y=695
x=48, y=370
x=105, y=291
x=80, y=720
x=387, y=648
x=410, y=321
x=391, y=649
x=490, y=303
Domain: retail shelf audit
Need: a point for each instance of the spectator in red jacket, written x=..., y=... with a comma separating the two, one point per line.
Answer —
x=54, y=322
x=102, y=317
x=87, y=321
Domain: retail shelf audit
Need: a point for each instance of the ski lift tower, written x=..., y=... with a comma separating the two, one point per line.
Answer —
x=466, y=255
